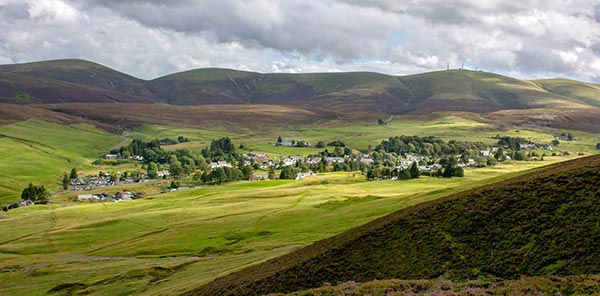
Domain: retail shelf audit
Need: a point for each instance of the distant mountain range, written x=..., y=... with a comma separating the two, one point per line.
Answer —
x=79, y=81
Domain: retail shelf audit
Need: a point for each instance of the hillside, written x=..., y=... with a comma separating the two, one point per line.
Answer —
x=68, y=81
x=543, y=223
x=587, y=93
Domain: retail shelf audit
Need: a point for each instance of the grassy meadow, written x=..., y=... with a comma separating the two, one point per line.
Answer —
x=361, y=134
x=176, y=241
x=172, y=242
x=39, y=152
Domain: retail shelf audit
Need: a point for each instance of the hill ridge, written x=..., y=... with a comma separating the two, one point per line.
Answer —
x=74, y=81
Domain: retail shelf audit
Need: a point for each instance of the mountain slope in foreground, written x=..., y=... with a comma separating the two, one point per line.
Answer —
x=543, y=223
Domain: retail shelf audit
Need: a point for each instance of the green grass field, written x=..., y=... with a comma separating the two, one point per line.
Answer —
x=116, y=248
x=39, y=152
x=169, y=243
x=359, y=135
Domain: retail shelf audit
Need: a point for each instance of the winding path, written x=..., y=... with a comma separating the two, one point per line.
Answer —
x=122, y=143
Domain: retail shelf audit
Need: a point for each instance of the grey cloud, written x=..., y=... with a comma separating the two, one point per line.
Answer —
x=14, y=11
x=148, y=38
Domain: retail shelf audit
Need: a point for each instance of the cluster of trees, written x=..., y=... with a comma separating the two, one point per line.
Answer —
x=36, y=194
x=224, y=174
x=449, y=169
x=383, y=172
x=513, y=143
x=427, y=146
x=168, y=141
x=221, y=149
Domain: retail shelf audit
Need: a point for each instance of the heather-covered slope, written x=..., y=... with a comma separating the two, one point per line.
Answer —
x=543, y=223
x=69, y=81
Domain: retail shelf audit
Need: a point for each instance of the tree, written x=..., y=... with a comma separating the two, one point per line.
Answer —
x=73, y=174
x=247, y=171
x=414, y=171
x=452, y=170
x=279, y=139
x=405, y=175
x=175, y=185
x=218, y=175
x=320, y=144
x=288, y=173
x=271, y=174
x=65, y=181
x=371, y=174
x=37, y=194
x=152, y=170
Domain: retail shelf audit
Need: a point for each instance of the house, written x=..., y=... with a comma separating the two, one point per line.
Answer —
x=292, y=160
x=88, y=197
x=313, y=160
x=77, y=181
x=331, y=160
x=367, y=160
x=485, y=153
x=262, y=176
x=260, y=157
x=111, y=157
x=219, y=164
x=301, y=176
x=163, y=174
x=26, y=203
x=287, y=143
x=269, y=164
x=124, y=195
x=411, y=157
x=404, y=164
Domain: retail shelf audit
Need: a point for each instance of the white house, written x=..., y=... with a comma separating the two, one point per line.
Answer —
x=110, y=157
x=219, y=164
x=301, y=176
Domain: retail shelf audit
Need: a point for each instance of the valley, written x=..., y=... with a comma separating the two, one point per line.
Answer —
x=174, y=241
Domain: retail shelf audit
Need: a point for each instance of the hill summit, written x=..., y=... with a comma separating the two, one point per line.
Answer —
x=72, y=81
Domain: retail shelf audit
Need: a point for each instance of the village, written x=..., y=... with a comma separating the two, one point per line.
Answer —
x=262, y=166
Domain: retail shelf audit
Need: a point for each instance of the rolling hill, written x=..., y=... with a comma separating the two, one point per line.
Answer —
x=67, y=81
x=70, y=81
x=541, y=224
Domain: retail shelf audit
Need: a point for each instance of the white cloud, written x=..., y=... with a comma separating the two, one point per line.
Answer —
x=149, y=38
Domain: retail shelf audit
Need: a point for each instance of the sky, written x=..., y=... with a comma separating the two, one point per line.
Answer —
x=151, y=38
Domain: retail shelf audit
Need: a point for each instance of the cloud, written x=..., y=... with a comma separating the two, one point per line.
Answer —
x=149, y=38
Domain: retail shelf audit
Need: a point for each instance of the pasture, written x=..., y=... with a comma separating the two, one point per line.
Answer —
x=39, y=152
x=172, y=242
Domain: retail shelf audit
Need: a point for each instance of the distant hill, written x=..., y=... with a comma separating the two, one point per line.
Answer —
x=587, y=93
x=68, y=81
x=545, y=223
